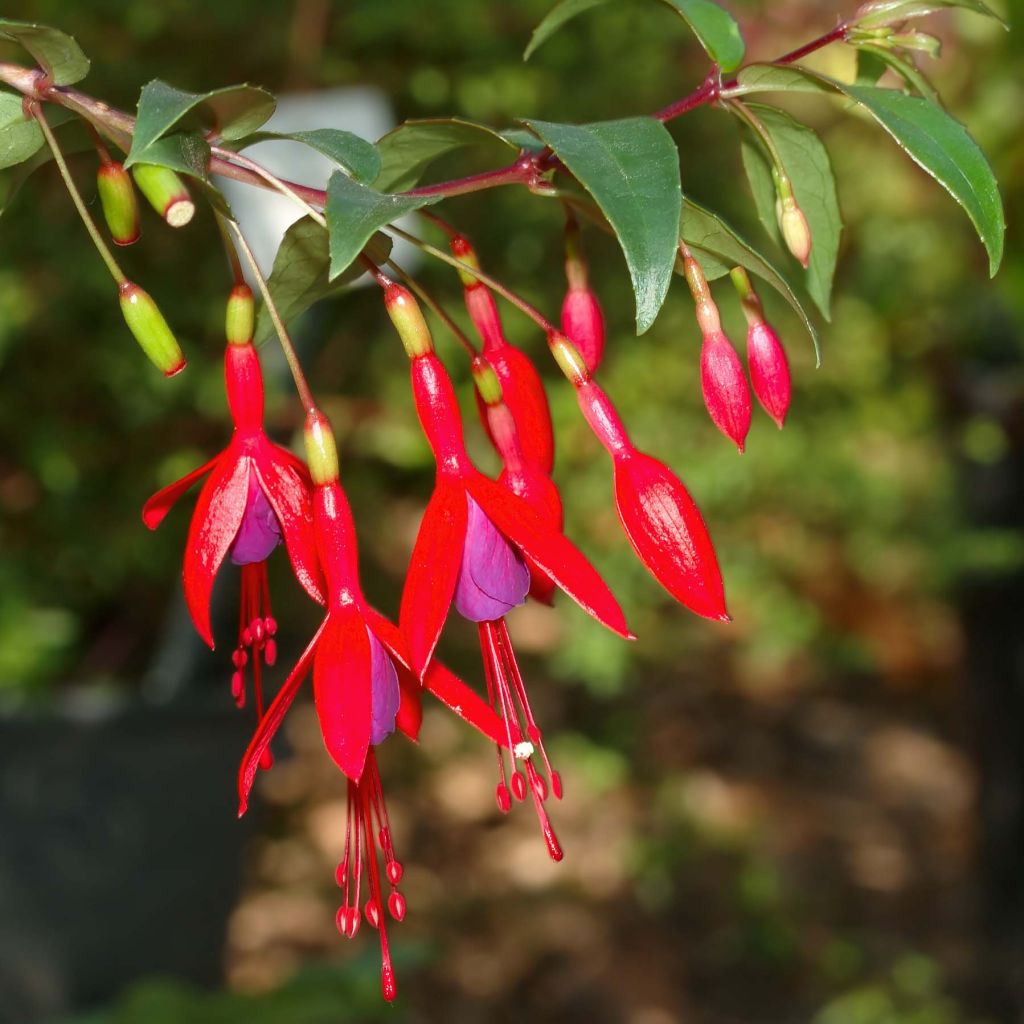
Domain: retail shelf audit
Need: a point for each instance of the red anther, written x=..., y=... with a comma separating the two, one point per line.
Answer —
x=556, y=785
x=246, y=637
x=341, y=920
x=372, y=912
x=270, y=625
x=396, y=906
x=503, y=797
x=384, y=838
x=539, y=786
x=341, y=872
x=519, y=785
x=270, y=651
x=394, y=872
x=257, y=631
x=239, y=657
x=266, y=760
x=238, y=688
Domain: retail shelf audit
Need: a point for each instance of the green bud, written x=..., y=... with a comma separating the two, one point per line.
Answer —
x=117, y=197
x=240, y=317
x=146, y=322
x=465, y=253
x=321, y=451
x=795, y=230
x=568, y=357
x=405, y=314
x=486, y=380
x=166, y=192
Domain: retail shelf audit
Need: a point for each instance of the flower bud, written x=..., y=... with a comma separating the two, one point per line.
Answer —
x=117, y=197
x=726, y=394
x=406, y=315
x=146, y=322
x=795, y=230
x=569, y=359
x=583, y=322
x=321, y=451
x=240, y=318
x=769, y=370
x=465, y=253
x=486, y=380
x=166, y=192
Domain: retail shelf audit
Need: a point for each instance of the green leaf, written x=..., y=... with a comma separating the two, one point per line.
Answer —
x=870, y=66
x=714, y=27
x=555, y=19
x=930, y=137
x=73, y=137
x=55, y=52
x=718, y=249
x=942, y=147
x=521, y=138
x=631, y=168
x=234, y=112
x=355, y=213
x=807, y=163
x=20, y=136
x=408, y=150
x=886, y=12
x=300, y=274
x=350, y=152
x=904, y=67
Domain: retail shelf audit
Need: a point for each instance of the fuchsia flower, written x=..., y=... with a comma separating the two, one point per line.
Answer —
x=363, y=688
x=724, y=385
x=766, y=358
x=257, y=494
x=657, y=513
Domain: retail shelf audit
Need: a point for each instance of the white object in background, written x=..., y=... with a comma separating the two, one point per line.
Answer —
x=265, y=216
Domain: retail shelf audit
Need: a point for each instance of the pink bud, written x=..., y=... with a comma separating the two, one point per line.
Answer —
x=726, y=394
x=769, y=371
x=583, y=324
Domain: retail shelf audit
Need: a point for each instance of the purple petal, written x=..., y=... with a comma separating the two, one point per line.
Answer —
x=259, y=532
x=384, y=693
x=493, y=578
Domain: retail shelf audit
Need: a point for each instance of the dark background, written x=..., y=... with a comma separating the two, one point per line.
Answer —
x=812, y=814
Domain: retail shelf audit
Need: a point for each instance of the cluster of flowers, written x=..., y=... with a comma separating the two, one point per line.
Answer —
x=484, y=546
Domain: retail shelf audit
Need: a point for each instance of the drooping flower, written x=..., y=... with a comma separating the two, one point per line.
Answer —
x=363, y=688
x=766, y=358
x=256, y=495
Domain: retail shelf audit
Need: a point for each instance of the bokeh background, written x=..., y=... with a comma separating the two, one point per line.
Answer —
x=814, y=814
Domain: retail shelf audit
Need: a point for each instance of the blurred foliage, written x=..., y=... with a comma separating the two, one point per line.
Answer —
x=843, y=539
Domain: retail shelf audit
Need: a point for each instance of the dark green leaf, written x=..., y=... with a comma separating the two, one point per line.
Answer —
x=355, y=213
x=55, y=52
x=300, y=274
x=521, y=138
x=714, y=27
x=777, y=78
x=408, y=150
x=631, y=168
x=904, y=68
x=233, y=112
x=807, y=163
x=870, y=66
x=887, y=12
x=718, y=249
x=555, y=19
x=72, y=136
x=352, y=153
x=20, y=136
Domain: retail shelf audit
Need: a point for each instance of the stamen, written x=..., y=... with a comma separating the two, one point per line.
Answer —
x=368, y=829
x=256, y=644
x=507, y=694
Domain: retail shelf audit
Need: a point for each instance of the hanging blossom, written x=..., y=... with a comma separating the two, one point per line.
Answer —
x=471, y=549
x=256, y=495
x=363, y=688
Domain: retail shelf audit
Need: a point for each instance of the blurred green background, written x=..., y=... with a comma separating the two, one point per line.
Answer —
x=814, y=814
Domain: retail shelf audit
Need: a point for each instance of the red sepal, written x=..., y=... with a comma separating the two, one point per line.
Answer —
x=342, y=688
x=668, y=533
x=541, y=494
x=433, y=571
x=556, y=556
x=523, y=393
x=160, y=504
x=271, y=721
x=215, y=521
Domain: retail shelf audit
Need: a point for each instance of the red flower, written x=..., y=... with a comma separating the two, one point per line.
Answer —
x=256, y=495
x=724, y=385
x=363, y=688
x=437, y=554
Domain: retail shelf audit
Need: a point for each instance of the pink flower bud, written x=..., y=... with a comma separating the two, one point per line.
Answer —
x=769, y=370
x=726, y=394
x=583, y=323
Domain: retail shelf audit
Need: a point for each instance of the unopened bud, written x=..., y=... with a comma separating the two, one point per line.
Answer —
x=726, y=394
x=465, y=253
x=769, y=370
x=240, y=316
x=117, y=197
x=146, y=322
x=795, y=229
x=486, y=380
x=569, y=360
x=707, y=312
x=166, y=192
x=583, y=321
x=321, y=451
x=406, y=315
